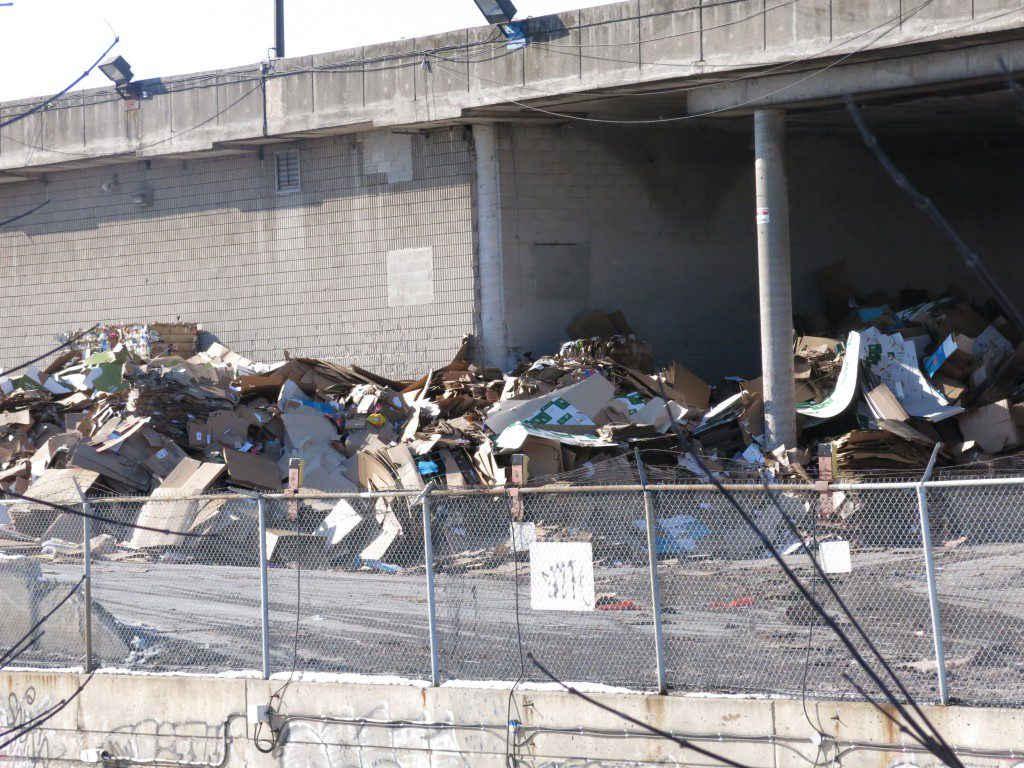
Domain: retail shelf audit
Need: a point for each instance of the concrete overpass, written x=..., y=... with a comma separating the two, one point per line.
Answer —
x=609, y=164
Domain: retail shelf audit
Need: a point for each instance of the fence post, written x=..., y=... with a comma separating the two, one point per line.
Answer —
x=929, y=569
x=652, y=561
x=428, y=555
x=261, y=504
x=87, y=569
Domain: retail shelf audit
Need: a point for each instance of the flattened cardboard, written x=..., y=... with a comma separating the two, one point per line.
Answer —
x=109, y=464
x=227, y=428
x=691, y=390
x=189, y=478
x=543, y=457
x=884, y=404
x=589, y=397
x=991, y=427
x=304, y=426
x=198, y=435
x=164, y=461
x=252, y=470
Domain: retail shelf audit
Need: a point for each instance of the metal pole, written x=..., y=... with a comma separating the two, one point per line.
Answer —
x=929, y=569
x=428, y=554
x=279, y=29
x=652, y=561
x=261, y=504
x=775, y=283
x=87, y=567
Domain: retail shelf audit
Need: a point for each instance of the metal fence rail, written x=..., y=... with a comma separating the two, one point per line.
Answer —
x=437, y=586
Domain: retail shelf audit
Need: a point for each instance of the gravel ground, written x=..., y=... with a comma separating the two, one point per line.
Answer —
x=732, y=626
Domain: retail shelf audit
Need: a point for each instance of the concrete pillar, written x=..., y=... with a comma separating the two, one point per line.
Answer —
x=490, y=262
x=775, y=283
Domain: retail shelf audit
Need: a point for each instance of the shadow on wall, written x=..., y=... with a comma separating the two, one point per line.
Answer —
x=285, y=178
x=659, y=223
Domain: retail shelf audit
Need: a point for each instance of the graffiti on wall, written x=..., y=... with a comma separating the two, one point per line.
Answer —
x=35, y=747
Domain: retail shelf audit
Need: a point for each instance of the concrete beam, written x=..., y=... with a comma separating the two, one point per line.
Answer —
x=888, y=76
x=434, y=79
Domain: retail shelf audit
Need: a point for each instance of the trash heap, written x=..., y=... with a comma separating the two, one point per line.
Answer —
x=141, y=410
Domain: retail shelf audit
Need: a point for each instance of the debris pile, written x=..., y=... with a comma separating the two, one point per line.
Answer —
x=141, y=410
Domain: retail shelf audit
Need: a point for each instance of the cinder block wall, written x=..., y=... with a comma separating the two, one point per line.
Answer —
x=660, y=224
x=371, y=262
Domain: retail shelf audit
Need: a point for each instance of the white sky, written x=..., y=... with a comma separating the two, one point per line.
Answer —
x=45, y=44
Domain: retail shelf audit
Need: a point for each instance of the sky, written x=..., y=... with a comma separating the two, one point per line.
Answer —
x=46, y=44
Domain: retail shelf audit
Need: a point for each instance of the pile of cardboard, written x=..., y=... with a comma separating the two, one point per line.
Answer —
x=920, y=372
x=137, y=410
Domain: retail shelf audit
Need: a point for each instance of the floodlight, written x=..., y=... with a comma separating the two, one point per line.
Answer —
x=497, y=11
x=117, y=70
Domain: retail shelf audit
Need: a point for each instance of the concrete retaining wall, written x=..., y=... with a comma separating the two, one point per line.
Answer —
x=184, y=719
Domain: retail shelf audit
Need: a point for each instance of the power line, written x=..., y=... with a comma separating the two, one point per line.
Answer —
x=663, y=120
x=144, y=147
x=22, y=215
x=684, y=743
x=76, y=81
x=933, y=741
x=30, y=637
x=924, y=204
x=58, y=348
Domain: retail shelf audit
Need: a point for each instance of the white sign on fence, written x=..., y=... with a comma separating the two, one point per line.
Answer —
x=835, y=556
x=523, y=535
x=561, y=576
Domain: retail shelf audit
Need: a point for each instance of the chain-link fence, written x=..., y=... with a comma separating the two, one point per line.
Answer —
x=471, y=584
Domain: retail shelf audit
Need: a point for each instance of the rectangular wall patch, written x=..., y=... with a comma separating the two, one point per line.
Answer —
x=410, y=275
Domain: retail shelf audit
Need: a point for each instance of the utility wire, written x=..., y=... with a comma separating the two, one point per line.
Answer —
x=143, y=147
x=30, y=211
x=76, y=81
x=936, y=745
x=971, y=259
x=45, y=355
x=27, y=727
x=684, y=743
x=7, y=658
x=663, y=120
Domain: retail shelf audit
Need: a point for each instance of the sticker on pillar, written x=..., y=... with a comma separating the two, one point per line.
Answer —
x=762, y=216
x=561, y=576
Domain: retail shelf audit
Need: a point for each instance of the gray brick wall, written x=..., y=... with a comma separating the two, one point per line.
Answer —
x=665, y=221
x=262, y=272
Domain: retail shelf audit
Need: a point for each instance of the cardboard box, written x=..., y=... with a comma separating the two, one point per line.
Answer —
x=165, y=460
x=227, y=428
x=992, y=427
x=953, y=358
x=189, y=478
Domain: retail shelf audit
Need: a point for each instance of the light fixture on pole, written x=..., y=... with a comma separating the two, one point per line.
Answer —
x=119, y=72
x=501, y=13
